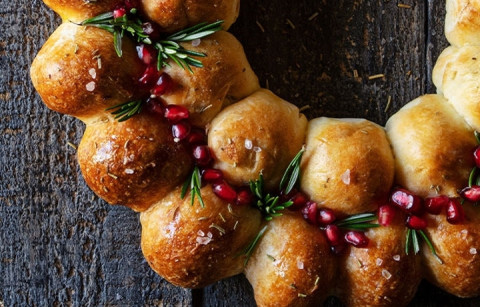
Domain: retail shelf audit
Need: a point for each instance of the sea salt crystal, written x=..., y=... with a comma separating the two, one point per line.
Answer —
x=396, y=257
x=203, y=240
x=129, y=171
x=379, y=262
x=90, y=86
x=346, y=177
x=200, y=233
x=93, y=73
x=473, y=251
x=257, y=149
x=248, y=144
x=386, y=274
x=300, y=265
x=196, y=42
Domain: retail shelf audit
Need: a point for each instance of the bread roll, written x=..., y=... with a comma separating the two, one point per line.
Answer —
x=79, y=10
x=226, y=77
x=261, y=133
x=433, y=147
x=348, y=165
x=173, y=15
x=458, y=246
x=78, y=72
x=381, y=274
x=462, y=23
x=133, y=163
x=456, y=75
x=191, y=246
x=292, y=264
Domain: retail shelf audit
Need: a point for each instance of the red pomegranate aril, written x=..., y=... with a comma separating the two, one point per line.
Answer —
x=415, y=222
x=202, y=155
x=149, y=75
x=119, y=12
x=476, y=156
x=357, y=239
x=197, y=136
x=244, y=197
x=175, y=113
x=212, y=175
x=225, y=191
x=471, y=193
x=180, y=131
x=435, y=205
x=386, y=213
x=455, y=213
x=310, y=212
x=131, y=4
x=326, y=216
x=155, y=106
x=407, y=201
x=299, y=200
x=164, y=84
x=146, y=53
x=334, y=235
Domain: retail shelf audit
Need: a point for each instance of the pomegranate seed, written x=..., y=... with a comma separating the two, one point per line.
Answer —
x=471, y=193
x=147, y=54
x=326, y=216
x=415, y=222
x=155, y=106
x=338, y=249
x=202, y=155
x=197, y=136
x=310, y=212
x=130, y=4
x=299, y=200
x=119, y=12
x=180, y=131
x=476, y=155
x=386, y=213
x=455, y=213
x=225, y=191
x=357, y=239
x=163, y=85
x=149, y=75
x=407, y=201
x=244, y=197
x=175, y=113
x=212, y=175
x=434, y=205
x=334, y=235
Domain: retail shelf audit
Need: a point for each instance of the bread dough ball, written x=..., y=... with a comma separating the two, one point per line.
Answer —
x=191, y=246
x=226, y=77
x=78, y=72
x=433, y=147
x=174, y=15
x=292, y=264
x=261, y=133
x=348, y=165
x=462, y=23
x=133, y=163
x=79, y=10
x=456, y=76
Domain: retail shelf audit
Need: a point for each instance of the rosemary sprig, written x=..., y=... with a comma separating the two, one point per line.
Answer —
x=268, y=204
x=194, y=181
x=411, y=241
x=358, y=222
x=251, y=247
x=168, y=48
x=292, y=173
x=126, y=110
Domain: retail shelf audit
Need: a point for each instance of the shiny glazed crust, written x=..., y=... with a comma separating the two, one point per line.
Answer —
x=349, y=165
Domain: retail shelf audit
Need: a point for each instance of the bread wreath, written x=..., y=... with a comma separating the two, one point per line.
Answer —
x=78, y=72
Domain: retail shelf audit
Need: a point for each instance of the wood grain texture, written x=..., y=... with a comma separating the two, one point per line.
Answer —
x=62, y=246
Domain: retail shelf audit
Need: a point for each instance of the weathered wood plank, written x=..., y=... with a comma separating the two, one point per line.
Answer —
x=61, y=245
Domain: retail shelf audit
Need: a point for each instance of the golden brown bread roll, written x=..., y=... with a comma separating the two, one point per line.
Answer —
x=456, y=76
x=261, y=133
x=77, y=72
x=381, y=274
x=79, y=10
x=191, y=246
x=292, y=264
x=433, y=147
x=348, y=165
x=458, y=246
x=226, y=77
x=462, y=22
x=133, y=163
x=173, y=15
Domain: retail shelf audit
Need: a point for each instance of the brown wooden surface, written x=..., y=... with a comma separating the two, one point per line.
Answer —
x=60, y=245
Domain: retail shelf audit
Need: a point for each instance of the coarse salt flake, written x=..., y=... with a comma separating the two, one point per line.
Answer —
x=379, y=262
x=90, y=86
x=203, y=240
x=200, y=233
x=300, y=265
x=386, y=274
x=396, y=257
x=196, y=42
x=93, y=73
x=257, y=149
x=129, y=171
x=248, y=144
x=346, y=177
x=473, y=251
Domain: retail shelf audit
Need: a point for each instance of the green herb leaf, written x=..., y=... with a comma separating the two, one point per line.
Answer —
x=477, y=136
x=358, y=222
x=126, y=110
x=292, y=173
x=251, y=247
x=411, y=241
x=194, y=182
x=269, y=205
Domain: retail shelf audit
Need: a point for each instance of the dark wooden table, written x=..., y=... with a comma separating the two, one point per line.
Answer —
x=60, y=245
